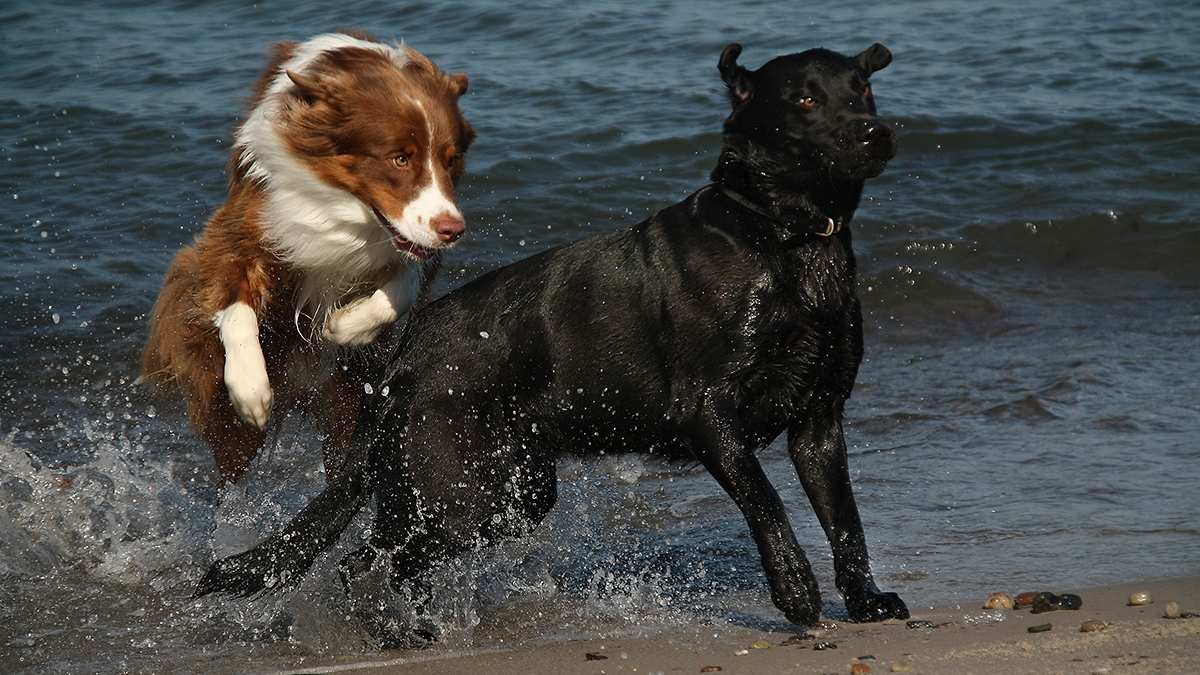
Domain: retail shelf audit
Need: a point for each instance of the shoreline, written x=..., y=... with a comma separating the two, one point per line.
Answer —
x=958, y=639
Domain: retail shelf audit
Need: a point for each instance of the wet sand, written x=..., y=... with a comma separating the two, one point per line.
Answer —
x=958, y=639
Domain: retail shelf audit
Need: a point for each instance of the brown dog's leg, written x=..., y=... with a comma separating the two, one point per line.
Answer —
x=337, y=410
x=234, y=443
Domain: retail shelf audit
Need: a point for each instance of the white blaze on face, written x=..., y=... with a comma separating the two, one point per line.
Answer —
x=432, y=203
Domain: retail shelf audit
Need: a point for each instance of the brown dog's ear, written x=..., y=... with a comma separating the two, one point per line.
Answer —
x=876, y=57
x=736, y=77
x=310, y=88
x=458, y=83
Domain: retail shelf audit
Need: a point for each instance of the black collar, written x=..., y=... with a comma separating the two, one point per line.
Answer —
x=822, y=228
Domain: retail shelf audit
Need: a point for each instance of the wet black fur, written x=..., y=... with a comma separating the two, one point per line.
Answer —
x=702, y=333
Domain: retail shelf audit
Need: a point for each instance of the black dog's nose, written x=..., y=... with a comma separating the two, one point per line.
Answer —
x=874, y=131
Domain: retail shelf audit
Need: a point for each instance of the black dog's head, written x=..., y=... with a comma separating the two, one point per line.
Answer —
x=808, y=115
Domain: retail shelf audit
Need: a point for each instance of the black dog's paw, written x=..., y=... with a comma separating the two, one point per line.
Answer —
x=401, y=631
x=395, y=635
x=805, y=616
x=240, y=575
x=874, y=605
x=802, y=607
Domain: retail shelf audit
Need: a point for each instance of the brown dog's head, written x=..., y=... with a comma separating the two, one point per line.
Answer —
x=380, y=130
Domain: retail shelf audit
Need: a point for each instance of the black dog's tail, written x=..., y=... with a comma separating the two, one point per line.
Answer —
x=283, y=559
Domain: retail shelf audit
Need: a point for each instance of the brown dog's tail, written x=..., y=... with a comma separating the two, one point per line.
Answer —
x=283, y=559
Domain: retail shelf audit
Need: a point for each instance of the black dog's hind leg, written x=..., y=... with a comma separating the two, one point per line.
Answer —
x=722, y=449
x=818, y=450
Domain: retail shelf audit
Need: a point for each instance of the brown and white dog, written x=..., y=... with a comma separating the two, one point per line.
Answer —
x=341, y=197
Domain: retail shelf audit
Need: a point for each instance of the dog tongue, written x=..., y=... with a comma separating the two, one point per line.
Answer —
x=415, y=249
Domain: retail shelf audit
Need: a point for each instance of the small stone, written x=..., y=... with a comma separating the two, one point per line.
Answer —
x=1140, y=599
x=860, y=669
x=1069, y=601
x=797, y=639
x=1171, y=611
x=918, y=623
x=1025, y=599
x=1044, y=602
x=741, y=652
x=1040, y=628
x=822, y=646
x=1092, y=626
x=828, y=625
x=999, y=601
x=711, y=669
x=760, y=644
x=595, y=657
x=901, y=666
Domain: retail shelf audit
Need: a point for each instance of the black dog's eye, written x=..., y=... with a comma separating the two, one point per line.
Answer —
x=808, y=101
x=867, y=90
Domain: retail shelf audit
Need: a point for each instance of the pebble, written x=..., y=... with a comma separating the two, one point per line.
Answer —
x=860, y=669
x=711, y=669
x=1140, y=598
x=1040, y=628
x=901, y=667
x=919, y=623
x=1049, y=602
x=1092, y=626
x=595, y=657
x=797, y=639
x=1171, y=611
x=1069, y=601
x=760, y=644
x=999, y=601
x=1025, y=599
x=1044, y=602
x=822, y=646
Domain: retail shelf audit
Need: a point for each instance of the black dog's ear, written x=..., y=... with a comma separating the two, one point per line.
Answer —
x=876, y=57
x=736, y=77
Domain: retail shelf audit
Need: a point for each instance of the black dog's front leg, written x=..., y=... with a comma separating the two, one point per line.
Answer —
x=721, y=448
x=818, y=450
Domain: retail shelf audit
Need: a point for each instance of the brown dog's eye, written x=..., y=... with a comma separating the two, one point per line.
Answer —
x=401, y=161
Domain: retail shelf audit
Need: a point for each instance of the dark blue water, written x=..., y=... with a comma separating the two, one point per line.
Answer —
x=1028, y=416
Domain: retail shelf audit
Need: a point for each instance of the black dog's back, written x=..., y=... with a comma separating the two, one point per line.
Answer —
x=704, y=332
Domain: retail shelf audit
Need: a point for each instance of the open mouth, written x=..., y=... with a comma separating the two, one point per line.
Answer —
x=402, y=244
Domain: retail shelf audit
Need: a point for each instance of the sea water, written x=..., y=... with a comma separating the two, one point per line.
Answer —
x=1027, y=416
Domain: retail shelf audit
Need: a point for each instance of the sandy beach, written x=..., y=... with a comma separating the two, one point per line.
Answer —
x=954, y=639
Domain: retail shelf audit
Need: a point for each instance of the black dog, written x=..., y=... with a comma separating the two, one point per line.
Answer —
x=703, y=332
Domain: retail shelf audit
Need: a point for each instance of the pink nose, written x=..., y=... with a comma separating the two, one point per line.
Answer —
x=449, y=228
